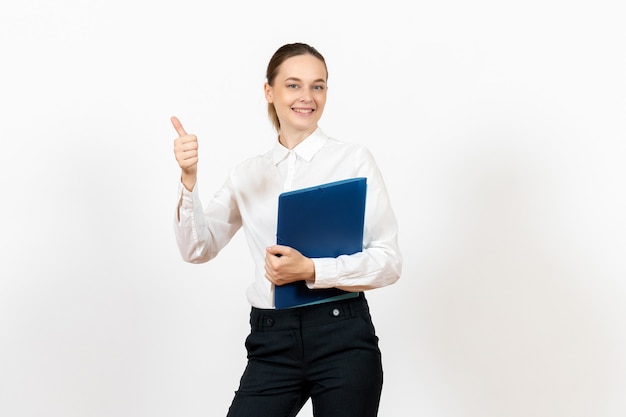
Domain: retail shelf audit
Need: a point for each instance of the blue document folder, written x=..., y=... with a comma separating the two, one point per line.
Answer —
x=323, y=221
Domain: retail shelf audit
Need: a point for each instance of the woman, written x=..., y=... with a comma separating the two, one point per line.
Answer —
x=328, y=351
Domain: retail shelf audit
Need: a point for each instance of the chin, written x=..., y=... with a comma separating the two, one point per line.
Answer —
x=306, y=124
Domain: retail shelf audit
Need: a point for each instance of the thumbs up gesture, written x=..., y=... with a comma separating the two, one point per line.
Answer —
x=186, y=152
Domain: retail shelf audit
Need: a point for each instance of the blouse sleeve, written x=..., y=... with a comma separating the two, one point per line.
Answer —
x=202, y=232
x=380, y=262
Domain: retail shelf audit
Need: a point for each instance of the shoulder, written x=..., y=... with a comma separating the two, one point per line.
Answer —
x=254, y=162
x=335, y=143
x=349, y=149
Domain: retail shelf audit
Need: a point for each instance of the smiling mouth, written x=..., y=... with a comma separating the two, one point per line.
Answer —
x=303, y=111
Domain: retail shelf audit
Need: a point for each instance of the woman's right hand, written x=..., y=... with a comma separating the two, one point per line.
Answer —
x=186, y=152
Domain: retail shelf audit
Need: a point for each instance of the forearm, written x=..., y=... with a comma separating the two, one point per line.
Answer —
x=202, y=233
x=188, y=180
x=372, y=268
x=190, y=229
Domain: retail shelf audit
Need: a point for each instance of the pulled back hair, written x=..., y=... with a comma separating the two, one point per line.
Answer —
x=281, y=55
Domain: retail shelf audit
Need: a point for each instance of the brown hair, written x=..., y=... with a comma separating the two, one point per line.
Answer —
x=281, y=55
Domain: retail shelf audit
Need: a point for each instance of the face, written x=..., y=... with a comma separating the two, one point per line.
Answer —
x=299, y=94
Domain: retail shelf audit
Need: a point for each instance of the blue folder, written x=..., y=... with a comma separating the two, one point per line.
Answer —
x=323, y=221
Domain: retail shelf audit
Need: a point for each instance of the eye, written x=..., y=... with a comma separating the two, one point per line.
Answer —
x=292, y=85
x=318, y=87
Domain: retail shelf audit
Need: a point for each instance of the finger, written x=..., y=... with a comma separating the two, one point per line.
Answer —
x=276, y=250
x=178, y=126
x=186, y=155
x=188, y=163
x=269, y=273
x=186, y=144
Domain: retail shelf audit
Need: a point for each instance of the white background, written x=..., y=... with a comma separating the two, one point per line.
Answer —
x=499, y=127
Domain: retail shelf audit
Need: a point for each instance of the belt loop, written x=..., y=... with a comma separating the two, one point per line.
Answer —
x=253, y=318
x=359, y=304
x=257, y=319
x=351, y=304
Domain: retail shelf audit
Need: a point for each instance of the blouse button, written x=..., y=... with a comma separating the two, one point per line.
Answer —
x=336, y=312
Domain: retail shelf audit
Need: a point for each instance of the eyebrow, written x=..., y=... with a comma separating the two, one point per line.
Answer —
x=299, y=80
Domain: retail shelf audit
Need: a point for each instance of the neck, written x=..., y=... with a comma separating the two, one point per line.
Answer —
x=292, y=138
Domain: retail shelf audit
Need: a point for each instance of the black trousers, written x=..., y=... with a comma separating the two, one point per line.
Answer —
x=327, y=352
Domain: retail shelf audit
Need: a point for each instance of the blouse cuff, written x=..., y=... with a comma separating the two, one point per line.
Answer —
x=325, y=273
x=187, y=197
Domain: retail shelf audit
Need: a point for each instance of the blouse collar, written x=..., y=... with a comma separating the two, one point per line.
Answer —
x=305, y=149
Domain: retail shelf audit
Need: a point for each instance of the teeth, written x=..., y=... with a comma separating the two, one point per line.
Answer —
x=303, y=110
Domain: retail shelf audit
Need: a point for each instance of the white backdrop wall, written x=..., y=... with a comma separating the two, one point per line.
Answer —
x=500, y=129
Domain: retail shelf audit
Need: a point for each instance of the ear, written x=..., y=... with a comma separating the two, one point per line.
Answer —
x=268, y=93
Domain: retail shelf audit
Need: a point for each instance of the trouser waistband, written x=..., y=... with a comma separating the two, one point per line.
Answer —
x=305, y=316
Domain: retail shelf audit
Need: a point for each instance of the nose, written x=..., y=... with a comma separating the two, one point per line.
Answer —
x=306, y=97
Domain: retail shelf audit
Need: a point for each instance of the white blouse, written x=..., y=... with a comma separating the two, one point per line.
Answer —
x=249, y=199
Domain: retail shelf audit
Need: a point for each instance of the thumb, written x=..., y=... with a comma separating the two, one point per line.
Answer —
x=178, y=126
x=277, y=250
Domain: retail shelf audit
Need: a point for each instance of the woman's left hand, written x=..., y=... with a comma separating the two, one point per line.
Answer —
x=284, y=264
